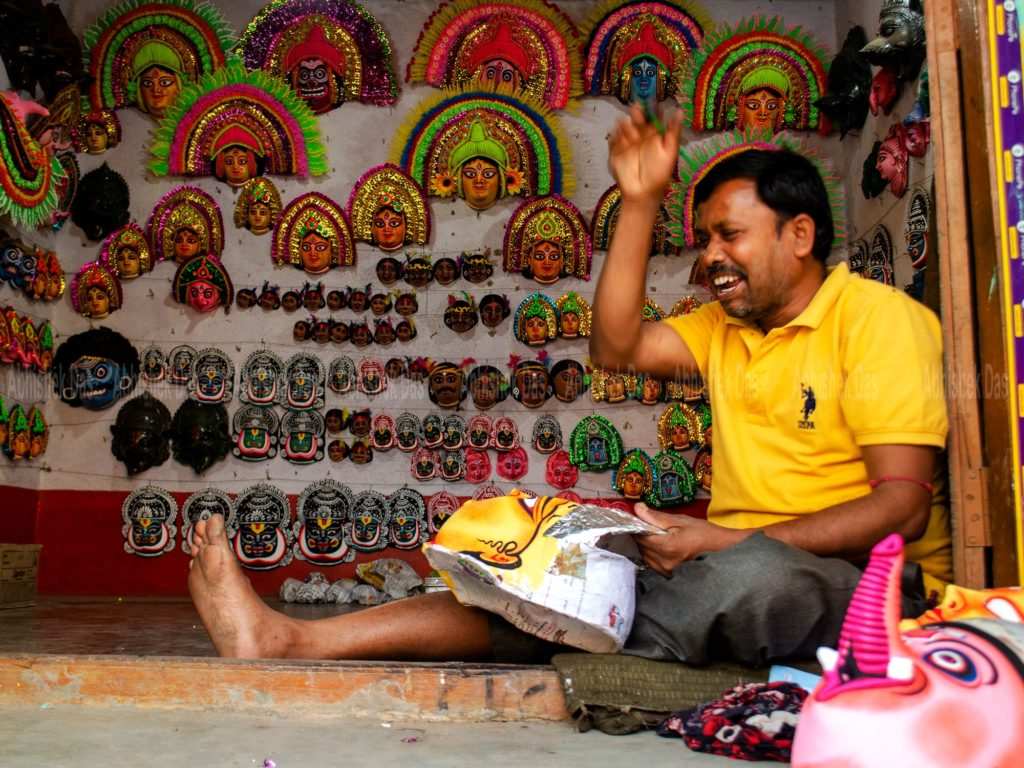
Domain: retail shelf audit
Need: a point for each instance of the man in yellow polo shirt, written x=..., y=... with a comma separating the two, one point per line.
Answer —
x=827, y=403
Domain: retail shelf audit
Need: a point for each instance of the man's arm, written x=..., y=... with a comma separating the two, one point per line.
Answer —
x=642, y=162
x=847, y=530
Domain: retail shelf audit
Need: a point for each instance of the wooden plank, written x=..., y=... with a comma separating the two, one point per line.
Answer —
x=455, y=692
x=970, y=534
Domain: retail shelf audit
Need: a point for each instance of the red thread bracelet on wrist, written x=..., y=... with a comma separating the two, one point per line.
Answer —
x=901, y=479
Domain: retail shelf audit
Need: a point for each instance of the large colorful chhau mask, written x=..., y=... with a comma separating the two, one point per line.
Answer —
x=202, y=505
x=407, y=519
x=606, y=216
x=96, y=291
x=236, y=125
x=849, y=85
x=314, y=235
x=756, y=76
x=674, y=482
x=547, y=239
x=306, y=377
x=199, y=435
x=323, y=515
x=148, y=514
x=637, y=49
x=522, y=45
x=254, y=433
x=186, y=223
x=595, y=445
x=213, y=377
x=265, y=535
x=258, y=208
x=370, y=521
x=29, y=173
x=698, y=159
x=536, y=320
x=483, y=146
x=900, y=44
x=635, y=476
x=141, y=434
x=914, y=691
x=126, y=252
x=388, y=209
x=146, y=53
x=94, y=369
x=330, y=51
x=203, y=284
x=262, y=379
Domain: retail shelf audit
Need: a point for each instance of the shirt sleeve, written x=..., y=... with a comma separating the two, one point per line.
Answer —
x=894, y=392
x=696, y=330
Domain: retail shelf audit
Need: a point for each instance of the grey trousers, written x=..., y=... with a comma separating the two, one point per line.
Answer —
x=758, y=602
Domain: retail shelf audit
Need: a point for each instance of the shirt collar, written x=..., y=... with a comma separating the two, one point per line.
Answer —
x=824, y=298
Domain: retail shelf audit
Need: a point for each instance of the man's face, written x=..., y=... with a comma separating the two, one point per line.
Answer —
x=388, y=229
x=158, y=88
x=238, y=167
x=481, y=184
x=316, y=253
x=546, y=262
x=747, y=259
x=186, y=244
x=95, y=139
x=761, y=110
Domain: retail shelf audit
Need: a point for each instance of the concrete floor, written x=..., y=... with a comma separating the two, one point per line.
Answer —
x=60, y=737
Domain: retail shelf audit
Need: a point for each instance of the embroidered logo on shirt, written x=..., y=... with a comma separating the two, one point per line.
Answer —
x=807, y=393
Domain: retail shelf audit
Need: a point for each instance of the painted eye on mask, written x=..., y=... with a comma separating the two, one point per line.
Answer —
x=953, y=663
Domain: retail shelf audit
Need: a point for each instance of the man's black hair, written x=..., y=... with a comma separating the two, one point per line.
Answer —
x=786, y=182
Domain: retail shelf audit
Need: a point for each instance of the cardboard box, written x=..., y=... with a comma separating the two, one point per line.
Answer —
x=553, y=568
x=19, y=572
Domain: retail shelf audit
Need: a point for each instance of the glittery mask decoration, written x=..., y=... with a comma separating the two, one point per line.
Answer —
x=536, y=320
x=305, y=377
x=407, y=432
x=141, y=434
x=370, y=521
x=148, y=514
x=546, y=239
x=199, y=435
x=673, y=482
x=504, y=434
x=424, y=464
x=637, y=50
x=915, y=231
x=313, y=235
x=188, y=208
x=264, y=537
x=483, y=146
x=262, y=379
x=736, y=65
x=16, y=442
x=522, y=45
x=29, y=173
x=126, y=252
x=679, y=428
x=612, y=386
x=595, y=445
x=202, y=505
x=342, y=376
x=302, y=437
x=635, y=476
x=254, y=433
x=154, y=365
x=452, y=466
x=440, y=507
x=514, y=464
x=92, y=369
x=606, y=216
x=574, y=316
x=698, y=159
x=702, y=468
x=213, y=377
x=323, y=517
x=96, y=291
x=547, y=434
x=478, y=466
x=372, y=379
x=203, y=284
x=183, y=38
x=258, y=207
x=382, y=436
x=559, y=471
x=389, y=189
x=352, y=54
x=407, y=519
x=233, y=108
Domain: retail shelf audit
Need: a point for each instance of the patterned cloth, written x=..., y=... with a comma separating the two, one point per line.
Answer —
x=751, y=722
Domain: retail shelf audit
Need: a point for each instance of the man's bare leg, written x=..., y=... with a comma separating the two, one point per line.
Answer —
x=241, y=625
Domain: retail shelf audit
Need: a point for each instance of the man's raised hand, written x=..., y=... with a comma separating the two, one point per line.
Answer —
x=641, y=159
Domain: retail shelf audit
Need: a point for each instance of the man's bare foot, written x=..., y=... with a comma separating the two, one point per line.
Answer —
x=240, y=624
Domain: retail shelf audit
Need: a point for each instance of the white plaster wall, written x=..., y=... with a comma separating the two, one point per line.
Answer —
x=357, y=137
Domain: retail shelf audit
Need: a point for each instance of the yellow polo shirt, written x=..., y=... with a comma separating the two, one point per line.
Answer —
x=861, y=365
